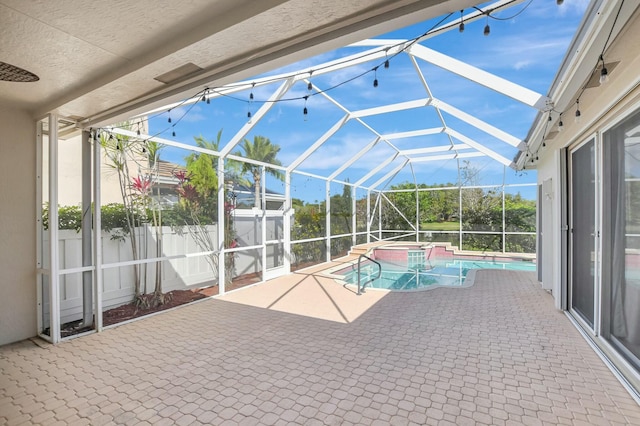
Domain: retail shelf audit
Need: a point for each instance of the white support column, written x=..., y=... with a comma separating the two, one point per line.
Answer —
x=54, y=277
x=354, y=223
x=504, y=222
x=368, y=216
x=39, y=225
x=417, y=215
x=87, y=257
x=459, y=208
x=263, y=222
x=286, y=222
x=97, y=229
x=328, y=220
x=221, y=249
x=379, y=216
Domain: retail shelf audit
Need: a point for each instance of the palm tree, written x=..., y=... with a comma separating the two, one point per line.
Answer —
x=261, y=149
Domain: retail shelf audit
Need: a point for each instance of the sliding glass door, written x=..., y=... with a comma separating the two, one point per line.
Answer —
x=621, y=242
x=582, y=181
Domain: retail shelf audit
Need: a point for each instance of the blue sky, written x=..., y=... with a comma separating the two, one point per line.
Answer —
x=526, y=50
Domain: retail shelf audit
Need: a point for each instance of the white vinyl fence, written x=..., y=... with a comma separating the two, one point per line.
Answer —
x=194, y=271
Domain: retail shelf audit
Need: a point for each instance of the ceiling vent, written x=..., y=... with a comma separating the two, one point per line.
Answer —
x=10, y=72
x=178, y=73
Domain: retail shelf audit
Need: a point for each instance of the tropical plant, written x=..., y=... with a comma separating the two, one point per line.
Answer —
x=128, y=156
x=261, y=149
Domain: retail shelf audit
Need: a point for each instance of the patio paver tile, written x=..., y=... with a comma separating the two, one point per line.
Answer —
x=478, y=355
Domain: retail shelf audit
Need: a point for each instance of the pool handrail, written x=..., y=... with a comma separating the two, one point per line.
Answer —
x=361, y=287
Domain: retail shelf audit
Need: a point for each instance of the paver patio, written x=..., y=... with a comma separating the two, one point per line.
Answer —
x=495, y=353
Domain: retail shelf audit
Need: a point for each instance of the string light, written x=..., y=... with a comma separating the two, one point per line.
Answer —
x=402, y=47
x=375, y=79
x=305, y=111
x=578, y=114
x=560, y=124
x=386, y=59
x=559, y=2
x=604, y=73
x=487, y=28
x=461, y=26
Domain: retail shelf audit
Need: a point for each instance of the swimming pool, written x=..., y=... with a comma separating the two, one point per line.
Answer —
x=430, y=274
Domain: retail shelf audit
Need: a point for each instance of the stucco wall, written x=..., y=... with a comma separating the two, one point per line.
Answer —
x=17, y=226
x=600, y=108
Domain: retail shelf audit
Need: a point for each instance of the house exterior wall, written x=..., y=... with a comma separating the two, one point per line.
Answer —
x=18, y=318
x=600, y=108
x=70, y=174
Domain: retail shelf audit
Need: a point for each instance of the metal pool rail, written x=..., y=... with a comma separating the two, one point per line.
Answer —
x=361, y=287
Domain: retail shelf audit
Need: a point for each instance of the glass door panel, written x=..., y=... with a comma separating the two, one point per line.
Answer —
x=621, y=263
x=582, y=217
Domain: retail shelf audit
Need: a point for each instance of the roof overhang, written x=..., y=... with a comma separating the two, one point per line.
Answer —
x=576, y=69
x=103, y=63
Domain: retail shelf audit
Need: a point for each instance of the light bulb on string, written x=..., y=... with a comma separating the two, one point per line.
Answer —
x=487, y=28
x=309, y=84
x=169, y=119
x=305, y=111
x=604, y=73
x=559, y=2
x=578, y=113
x=560, y=124
x=375, y=79
x=461, y=26
x=386, y=59
x=251, y=93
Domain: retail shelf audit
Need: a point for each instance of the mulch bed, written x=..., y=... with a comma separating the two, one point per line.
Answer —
x=174, y=298
x=130, y=311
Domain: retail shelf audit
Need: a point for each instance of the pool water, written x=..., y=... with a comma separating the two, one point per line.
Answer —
x=434, y=273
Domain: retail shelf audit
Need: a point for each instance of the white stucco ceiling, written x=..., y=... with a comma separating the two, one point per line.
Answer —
x=99, y=62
